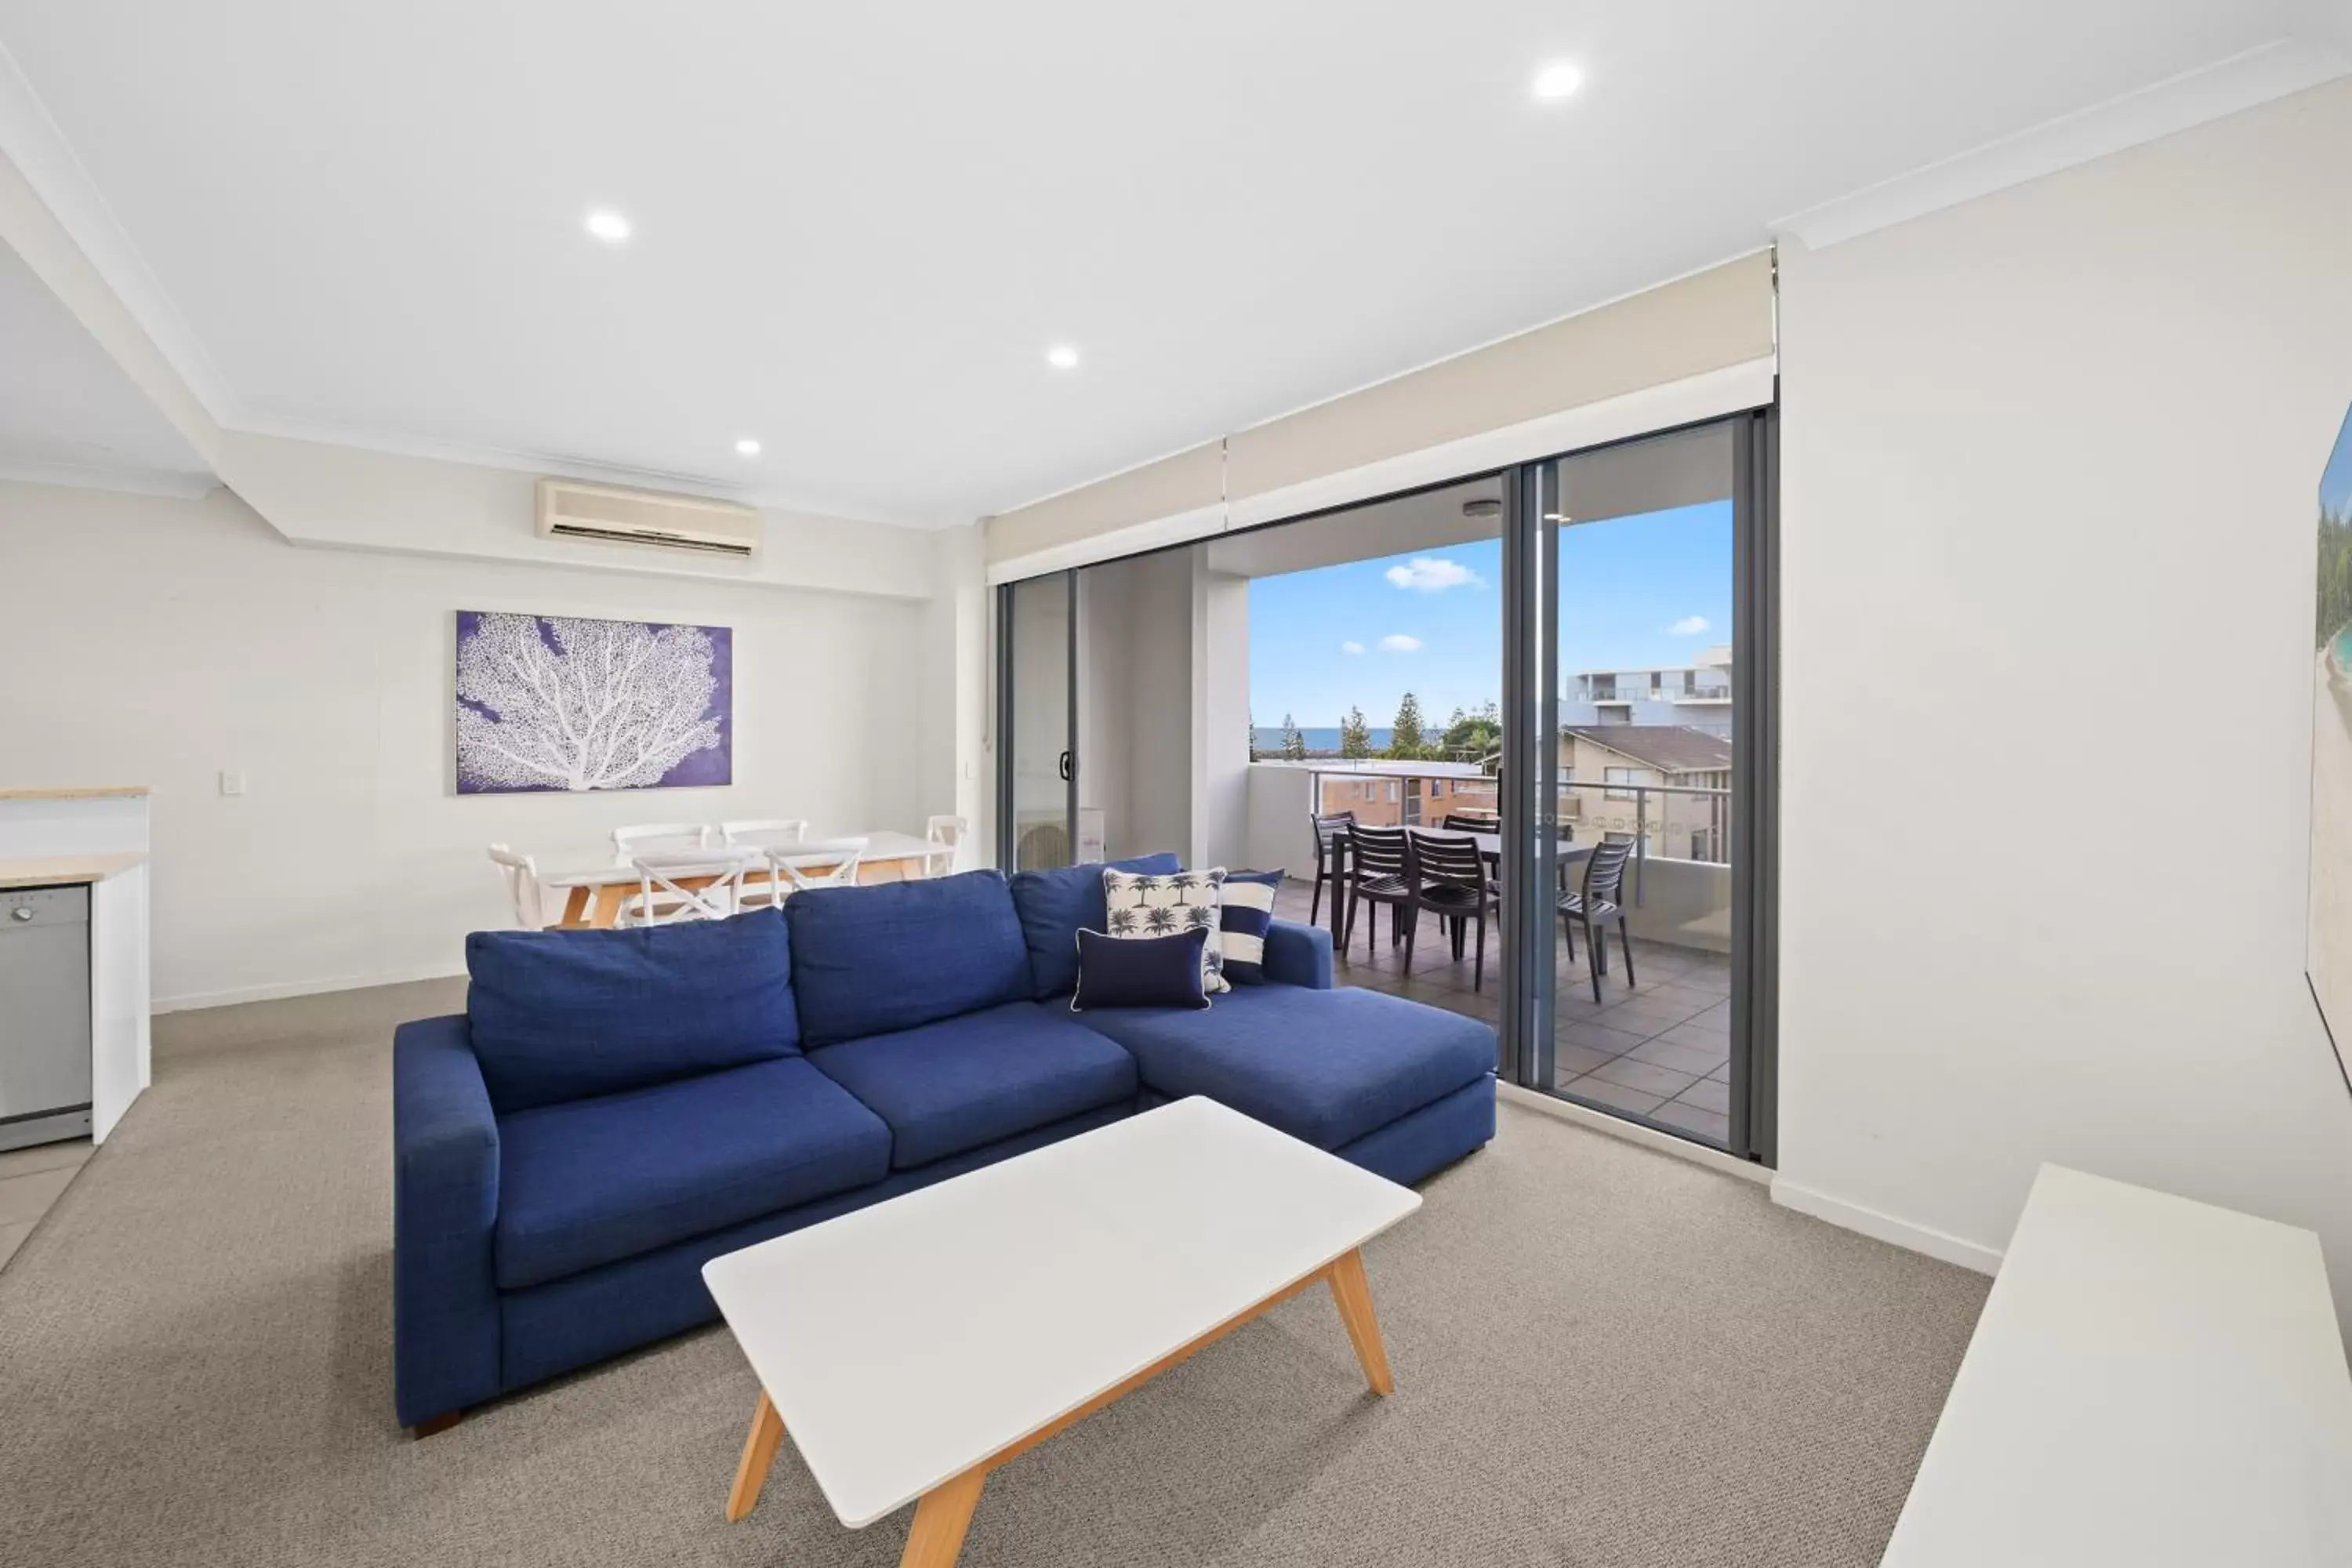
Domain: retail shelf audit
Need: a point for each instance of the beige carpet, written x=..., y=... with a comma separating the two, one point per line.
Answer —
x=1604, y=1356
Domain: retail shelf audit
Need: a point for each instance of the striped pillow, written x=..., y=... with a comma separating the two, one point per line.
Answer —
x=1144, y=906
x=1247, y=898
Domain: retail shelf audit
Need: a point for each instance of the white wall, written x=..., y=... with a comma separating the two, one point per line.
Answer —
x=1221, y=710
x=2060, y=448
x=159, y=642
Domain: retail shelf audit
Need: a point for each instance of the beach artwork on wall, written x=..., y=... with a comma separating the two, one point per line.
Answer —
x=2329, y=941
x=564, y=703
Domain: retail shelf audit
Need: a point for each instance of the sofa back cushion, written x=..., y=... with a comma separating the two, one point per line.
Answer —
x=1057, y=905
x=867, y=960
x=558, y=1016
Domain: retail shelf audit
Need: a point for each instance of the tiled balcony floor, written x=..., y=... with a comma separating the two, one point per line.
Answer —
x=1661, y=1048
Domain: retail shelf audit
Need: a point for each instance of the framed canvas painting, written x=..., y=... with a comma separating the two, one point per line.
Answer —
x=564, y=703
x=2328, y=958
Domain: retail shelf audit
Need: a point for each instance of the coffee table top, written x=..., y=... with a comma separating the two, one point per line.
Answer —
x=904, y=1343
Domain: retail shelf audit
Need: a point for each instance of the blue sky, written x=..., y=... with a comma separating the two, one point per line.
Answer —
x=2334, y=485
x=1634, y=591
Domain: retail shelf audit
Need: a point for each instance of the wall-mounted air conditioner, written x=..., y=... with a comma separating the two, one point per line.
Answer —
x=608, y=514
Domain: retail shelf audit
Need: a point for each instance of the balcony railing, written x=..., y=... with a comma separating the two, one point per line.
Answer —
x=1678, y=886
x=1600, y=694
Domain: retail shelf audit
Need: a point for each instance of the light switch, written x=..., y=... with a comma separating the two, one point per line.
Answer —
x=232, y=782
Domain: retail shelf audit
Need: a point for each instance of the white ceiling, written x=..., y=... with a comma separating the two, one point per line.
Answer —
x=859, y=227
x=68, y=413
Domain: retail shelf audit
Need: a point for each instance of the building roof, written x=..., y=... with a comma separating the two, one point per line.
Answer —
x=1669, y=748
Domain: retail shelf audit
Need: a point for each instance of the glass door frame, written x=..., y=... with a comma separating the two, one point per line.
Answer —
x=1528, y=793
x=1008, y=830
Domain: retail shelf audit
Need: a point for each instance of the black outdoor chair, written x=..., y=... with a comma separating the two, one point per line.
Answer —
x=1381, y=871
x=1330, y=859
x=1602, y=899
x=1471, y=822
x=1452, y=878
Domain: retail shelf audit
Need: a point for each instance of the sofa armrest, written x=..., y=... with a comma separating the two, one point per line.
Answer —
x=1298, y=954
x=444, y=1210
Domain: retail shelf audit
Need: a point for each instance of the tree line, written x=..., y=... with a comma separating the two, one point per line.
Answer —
x=2334, y=575
x=1466, y=736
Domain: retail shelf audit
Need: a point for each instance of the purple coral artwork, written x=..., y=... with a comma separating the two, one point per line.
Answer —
x=562, y=702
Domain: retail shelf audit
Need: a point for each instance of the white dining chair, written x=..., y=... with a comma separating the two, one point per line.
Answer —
x=658, y=839
x=758, y=832
x=662, y=899
x=788, y=878
x=947, y=832
x=520, y=874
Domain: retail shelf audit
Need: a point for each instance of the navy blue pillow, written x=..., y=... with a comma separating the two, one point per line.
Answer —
x=556, y=1015
x=868, y=961
x=1057, y=905
x=1140, y=971
x=1244, y=914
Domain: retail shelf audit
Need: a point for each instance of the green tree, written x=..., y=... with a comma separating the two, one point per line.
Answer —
x=1294, y=744
x=1355, y=735
x=1253, y=739
x=1405, y=740
x=1471, y=737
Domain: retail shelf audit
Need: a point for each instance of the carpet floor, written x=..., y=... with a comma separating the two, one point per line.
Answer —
x=1604, y=1356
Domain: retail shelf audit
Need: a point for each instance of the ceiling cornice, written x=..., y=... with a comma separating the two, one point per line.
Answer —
x=31, y=139
x=127, y=481
x=2272, y=71
x=400, y=444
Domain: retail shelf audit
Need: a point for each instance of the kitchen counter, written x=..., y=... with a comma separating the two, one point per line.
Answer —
x=94, y=792
x=50, y=870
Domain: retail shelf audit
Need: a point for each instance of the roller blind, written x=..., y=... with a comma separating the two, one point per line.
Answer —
x=1688, y=350
x=1709, y=321
x=1157, y=497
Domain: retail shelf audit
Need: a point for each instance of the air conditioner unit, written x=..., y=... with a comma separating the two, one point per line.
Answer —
x=610, y=515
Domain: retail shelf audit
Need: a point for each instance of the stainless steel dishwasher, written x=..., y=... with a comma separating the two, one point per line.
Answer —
x=43, y=1015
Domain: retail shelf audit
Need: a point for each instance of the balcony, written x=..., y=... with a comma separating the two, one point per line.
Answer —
x=1658, y=1049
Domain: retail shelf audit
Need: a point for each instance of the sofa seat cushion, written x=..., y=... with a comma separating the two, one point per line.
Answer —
x=571, y=1014
x=1327, y=1067
x=957, y=1084
x=867, y=960
x=596, y=1180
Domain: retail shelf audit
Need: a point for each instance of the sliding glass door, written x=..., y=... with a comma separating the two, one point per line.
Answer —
x=1643, y=671
x=1609, y=818
x=1037, y=760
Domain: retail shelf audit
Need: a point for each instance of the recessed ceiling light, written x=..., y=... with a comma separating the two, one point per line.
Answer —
x=1558, y=79
x=1062, y=356
x=608, y=225
x=747, y=448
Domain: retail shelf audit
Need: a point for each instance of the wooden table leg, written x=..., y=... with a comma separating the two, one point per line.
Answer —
x=609, y=899
x=940, y=1519
x=575, y=907
x=1353, y=1296
x=759, y=1454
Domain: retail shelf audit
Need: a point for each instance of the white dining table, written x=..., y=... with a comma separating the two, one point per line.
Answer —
x=593, y=893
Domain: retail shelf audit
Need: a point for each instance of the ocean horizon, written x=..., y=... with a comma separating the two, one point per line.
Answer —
x=1319, y=737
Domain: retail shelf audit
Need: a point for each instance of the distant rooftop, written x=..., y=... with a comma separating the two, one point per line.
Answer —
x=1669, y=748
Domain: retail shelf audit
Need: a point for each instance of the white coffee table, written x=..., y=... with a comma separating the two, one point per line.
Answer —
x=912, y=1347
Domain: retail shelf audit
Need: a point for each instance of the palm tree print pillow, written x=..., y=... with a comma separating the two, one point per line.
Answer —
x=1144, y=906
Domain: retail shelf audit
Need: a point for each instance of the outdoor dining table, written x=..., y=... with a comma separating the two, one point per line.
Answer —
x=1490, y=850
x=595, y=893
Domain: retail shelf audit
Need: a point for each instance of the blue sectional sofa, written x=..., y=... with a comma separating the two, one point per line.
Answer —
x=615, y=1108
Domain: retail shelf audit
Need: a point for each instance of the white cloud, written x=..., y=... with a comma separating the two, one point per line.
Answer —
x=1433, y=574
x=1688, y=626
x=1352, y=647
x=1397, y=642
